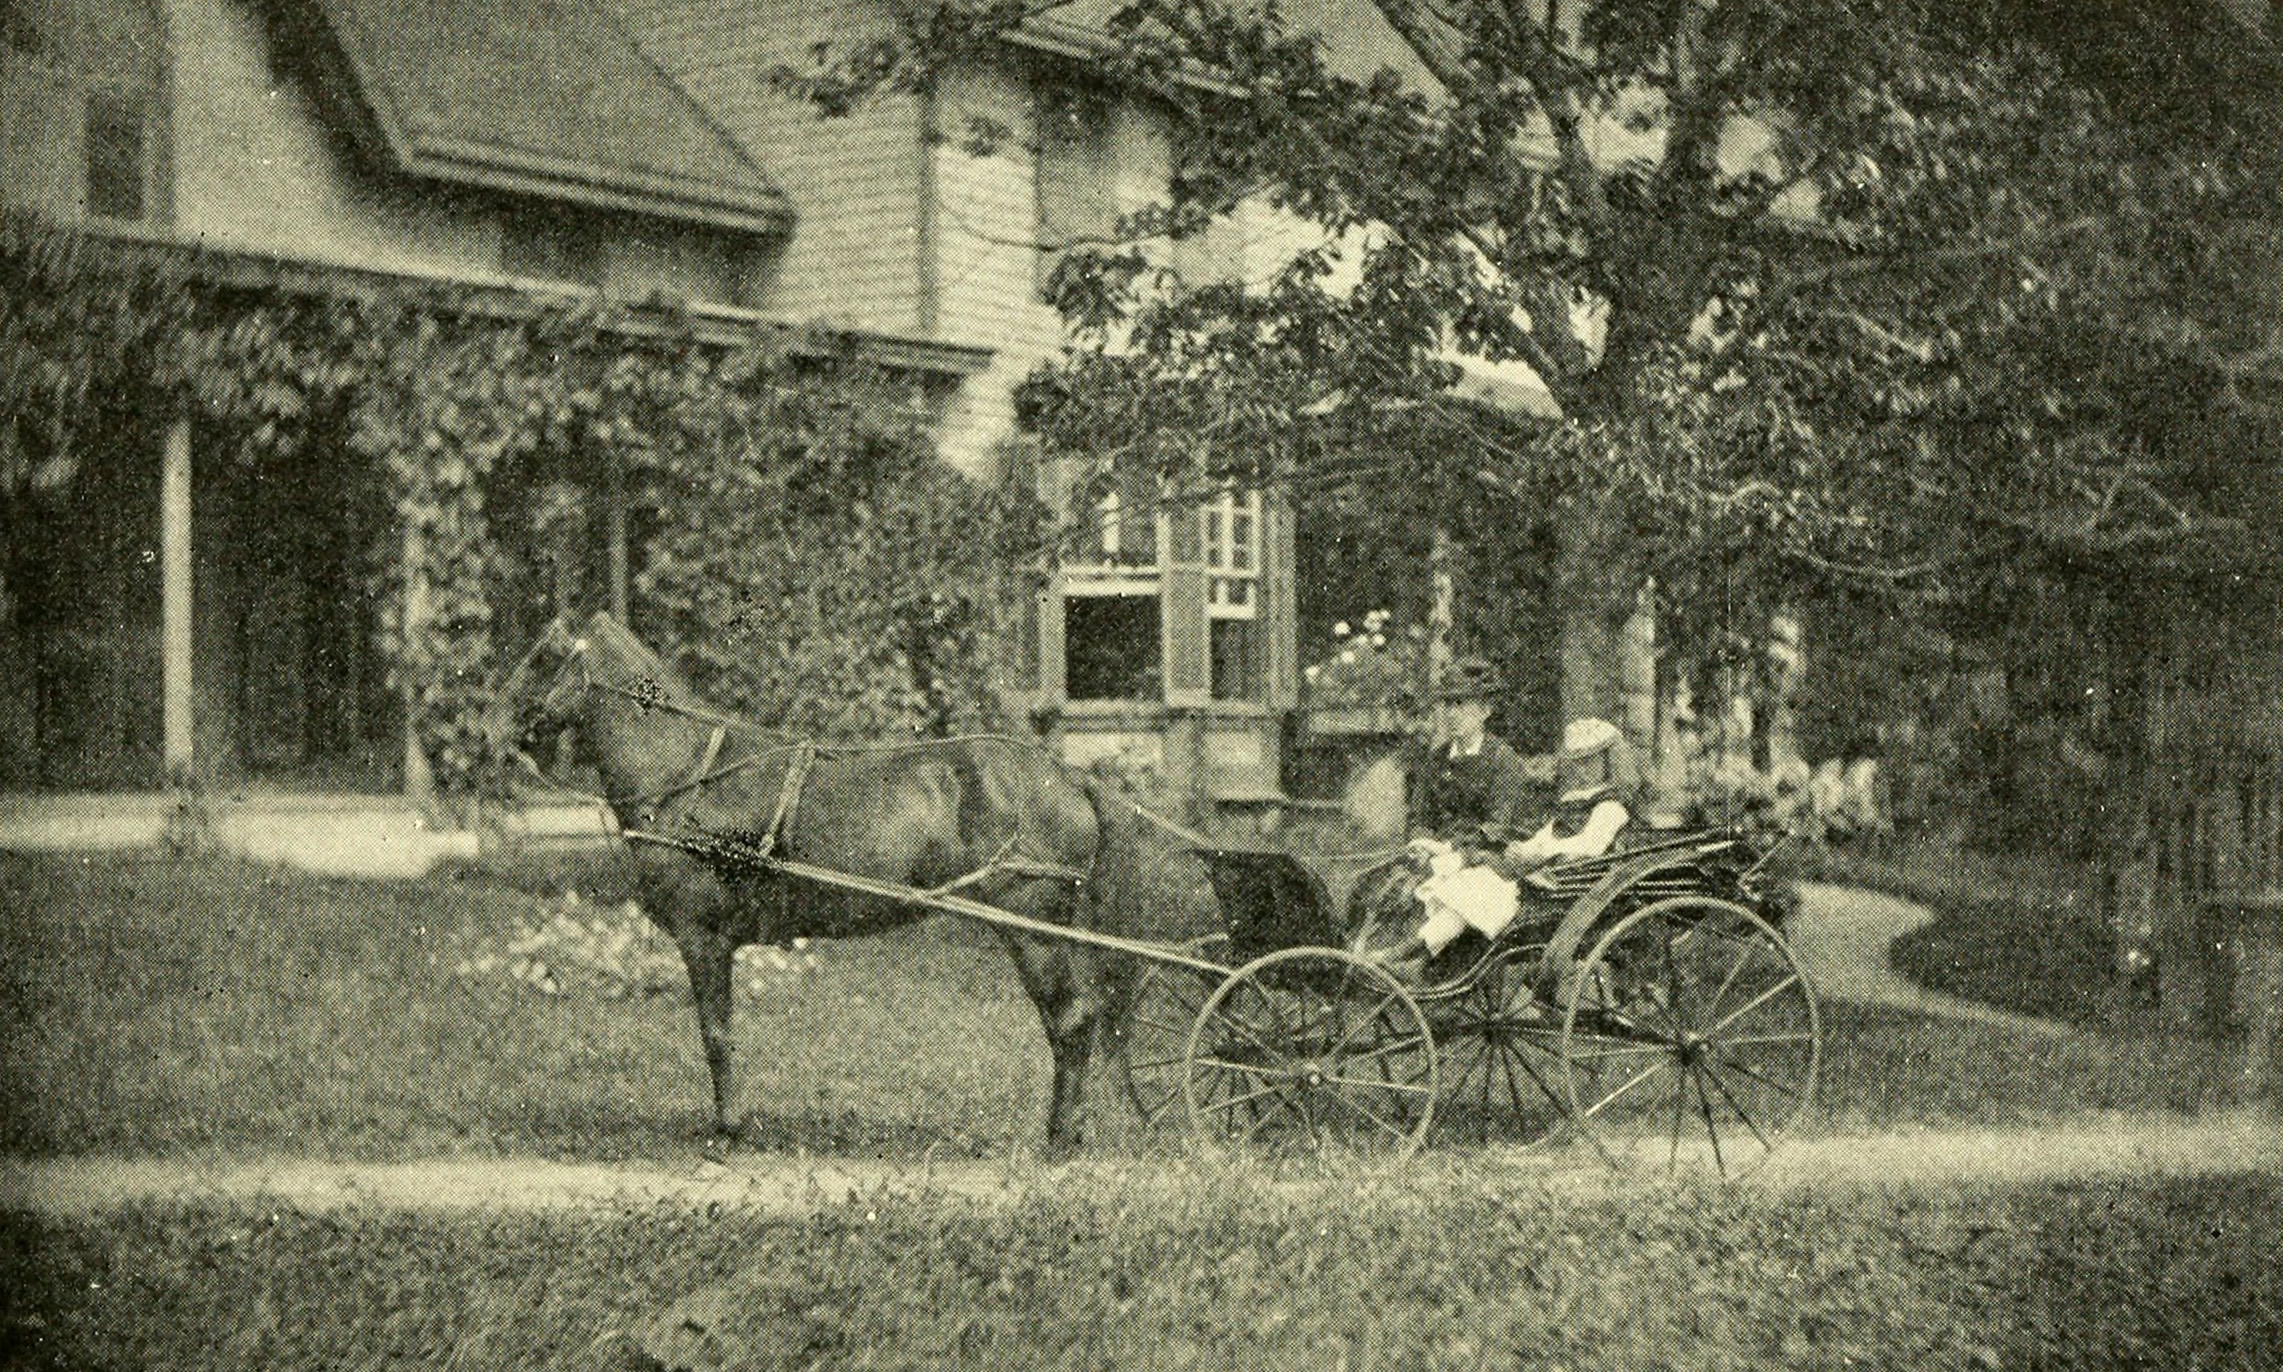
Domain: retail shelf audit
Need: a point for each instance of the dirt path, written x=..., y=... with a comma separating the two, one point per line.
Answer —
x=2120, y=1147
x=1843, y=935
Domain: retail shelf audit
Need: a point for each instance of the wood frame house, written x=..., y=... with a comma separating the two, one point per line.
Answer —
x=635, y=149
x=169, y=615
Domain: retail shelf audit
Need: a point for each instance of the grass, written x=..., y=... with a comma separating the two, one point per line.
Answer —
x=167, y=1008
x=1443, y=1268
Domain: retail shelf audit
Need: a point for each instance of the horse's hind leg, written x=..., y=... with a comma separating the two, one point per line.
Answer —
x=711, y=960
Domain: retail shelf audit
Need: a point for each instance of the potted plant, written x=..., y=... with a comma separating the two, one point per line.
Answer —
x=1367, y=683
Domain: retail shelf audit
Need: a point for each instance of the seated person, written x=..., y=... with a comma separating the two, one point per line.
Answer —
x=1473, y=780
x=1475, y=889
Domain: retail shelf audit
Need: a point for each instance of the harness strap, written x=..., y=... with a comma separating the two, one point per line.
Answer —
x=788, y=795
x=706, y=759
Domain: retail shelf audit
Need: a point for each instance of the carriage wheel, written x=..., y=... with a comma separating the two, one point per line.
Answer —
x=1313, y=1049
x=1166, y=1000
x=1691, y=1030
x=1504, y=1072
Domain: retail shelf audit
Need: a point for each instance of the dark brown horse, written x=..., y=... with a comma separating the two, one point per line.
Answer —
x=998, y=817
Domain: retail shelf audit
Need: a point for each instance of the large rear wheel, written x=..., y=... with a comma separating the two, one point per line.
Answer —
x=1690, y=1032
x=1315, y=1050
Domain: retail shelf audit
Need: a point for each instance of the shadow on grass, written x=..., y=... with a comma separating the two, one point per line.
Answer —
x=1430, y=1270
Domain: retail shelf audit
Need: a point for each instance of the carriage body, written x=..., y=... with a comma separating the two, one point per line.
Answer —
x=1632, y=993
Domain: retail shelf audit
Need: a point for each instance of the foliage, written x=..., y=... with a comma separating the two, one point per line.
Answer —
x=575, y=946
x=822, y=571
x=1925, y=301
x=762, y=463
x=1379, y=667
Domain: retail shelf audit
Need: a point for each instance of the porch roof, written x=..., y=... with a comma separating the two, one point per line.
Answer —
x=546, y=98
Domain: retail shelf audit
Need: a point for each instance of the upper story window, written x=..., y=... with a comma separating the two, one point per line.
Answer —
x=101, y=120
x=1076, y=175
x=118, y=155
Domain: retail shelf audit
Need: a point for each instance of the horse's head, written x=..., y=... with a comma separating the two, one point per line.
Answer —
x=544, y=692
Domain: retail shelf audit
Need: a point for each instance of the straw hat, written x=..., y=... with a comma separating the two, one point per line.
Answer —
x=1584, y=738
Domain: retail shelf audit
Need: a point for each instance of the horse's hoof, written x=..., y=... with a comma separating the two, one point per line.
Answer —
x=720, y=1144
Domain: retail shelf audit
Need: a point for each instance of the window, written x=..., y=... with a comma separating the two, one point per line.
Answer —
x=1232, y=555
x=1232, y=592
x=1076, y=175
x=118, y=156
x=1111, y=645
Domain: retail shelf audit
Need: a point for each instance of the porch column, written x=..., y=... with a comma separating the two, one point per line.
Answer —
x=617, y=533
x=175, y=600
x=419, y=781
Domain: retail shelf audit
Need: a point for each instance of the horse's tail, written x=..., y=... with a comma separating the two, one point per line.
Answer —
x=1146, y=880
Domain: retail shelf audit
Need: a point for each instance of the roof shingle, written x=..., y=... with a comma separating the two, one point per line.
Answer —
x=545, y=97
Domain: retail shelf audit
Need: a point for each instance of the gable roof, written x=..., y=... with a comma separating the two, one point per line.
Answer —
x=546, y=98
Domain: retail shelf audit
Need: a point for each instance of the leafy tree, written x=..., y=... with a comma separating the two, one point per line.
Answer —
x=1831, y=294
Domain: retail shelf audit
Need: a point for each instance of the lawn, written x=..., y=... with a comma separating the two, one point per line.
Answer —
x=1440, y=1267
x=166, y=1006
x=173, y=1007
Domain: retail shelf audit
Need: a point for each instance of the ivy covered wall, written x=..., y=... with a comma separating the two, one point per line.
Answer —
x=798, y=548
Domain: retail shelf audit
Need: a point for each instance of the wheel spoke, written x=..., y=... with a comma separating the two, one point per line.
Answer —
x=1615, y=1048
x=1635, y=1080
x=1761, y=1078
x=1393, y=1130
x=1800, y=1036
x=1712, y=1131
x=1754, y=1003
x=1407, y=1088
x=1377, y=1011
x=1735, y=1105
x=1735, y=970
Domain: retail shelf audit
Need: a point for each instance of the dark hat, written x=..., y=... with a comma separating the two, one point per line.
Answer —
x=1467, y=678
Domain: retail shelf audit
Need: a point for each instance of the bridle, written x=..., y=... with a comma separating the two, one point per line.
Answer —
x=646, y=694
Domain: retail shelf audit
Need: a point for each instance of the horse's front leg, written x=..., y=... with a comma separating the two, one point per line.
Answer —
x=710, y=957
x=1060, y=980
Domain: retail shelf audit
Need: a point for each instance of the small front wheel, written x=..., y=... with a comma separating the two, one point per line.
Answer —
x=1690, y=1030
x=1312, y=1049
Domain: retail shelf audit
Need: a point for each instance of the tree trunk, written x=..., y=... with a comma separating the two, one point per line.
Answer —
x=1598, y=594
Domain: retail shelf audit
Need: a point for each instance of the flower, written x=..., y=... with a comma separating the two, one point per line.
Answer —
x=1341, y=629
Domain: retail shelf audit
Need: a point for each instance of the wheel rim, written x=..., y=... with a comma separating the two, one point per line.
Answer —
x=1504, y=1072
x=1167, y=1000
x=1312, y=1050
x=1691, y=1034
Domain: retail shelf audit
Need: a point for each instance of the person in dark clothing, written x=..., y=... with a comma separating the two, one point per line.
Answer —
x=1474, y=779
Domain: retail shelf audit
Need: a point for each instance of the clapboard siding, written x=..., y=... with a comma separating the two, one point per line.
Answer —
x=855, y=182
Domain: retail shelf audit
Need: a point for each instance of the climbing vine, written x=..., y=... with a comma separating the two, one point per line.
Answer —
x=806, y=557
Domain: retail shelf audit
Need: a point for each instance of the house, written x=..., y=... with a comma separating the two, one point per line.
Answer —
x=1165, y=638
x=170, y=613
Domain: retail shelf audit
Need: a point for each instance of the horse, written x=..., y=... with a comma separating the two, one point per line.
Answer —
x=995, y=818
